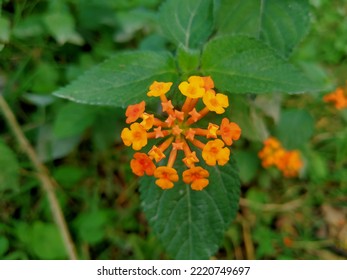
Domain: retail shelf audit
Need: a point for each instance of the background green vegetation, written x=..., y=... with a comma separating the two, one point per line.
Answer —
x=50, y=43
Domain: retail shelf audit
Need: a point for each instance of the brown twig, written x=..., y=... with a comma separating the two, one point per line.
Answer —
x=43, y=174
x=247, y=237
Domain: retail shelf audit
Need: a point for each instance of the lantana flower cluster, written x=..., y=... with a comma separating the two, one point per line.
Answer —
x=273, y=154
x=338, y=97
x=178, y=132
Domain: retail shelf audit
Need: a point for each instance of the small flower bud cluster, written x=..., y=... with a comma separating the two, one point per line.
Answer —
x=338, y=97
x=273, y=154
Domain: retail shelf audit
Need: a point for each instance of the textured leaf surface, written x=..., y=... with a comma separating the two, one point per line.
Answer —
x=240, y=64
x=187, y=22
x=121, y=80
x=282, y=24
x=191, y=224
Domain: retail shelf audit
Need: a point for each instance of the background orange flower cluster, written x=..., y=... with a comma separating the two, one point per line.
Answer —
x=273, y=154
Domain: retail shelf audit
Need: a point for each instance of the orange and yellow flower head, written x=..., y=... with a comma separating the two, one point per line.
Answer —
x=177, y=131
x=338, y=98
x=273, y=154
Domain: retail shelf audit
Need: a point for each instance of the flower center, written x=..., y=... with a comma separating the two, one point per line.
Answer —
x=214, y=150
x=214, y=102
x=137, y=135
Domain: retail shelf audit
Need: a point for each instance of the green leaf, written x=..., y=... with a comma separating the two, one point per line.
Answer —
x=30, y=26
x=131, y=22
x=191, y=224
x=317, y=166
x=295, y=128
x=121, y=80
x=4, y=245
x=45, y=78
x=265, y=237
x=9, y=167
x=72, y=119
x=62, y=27
x=187, y=22
x=4, y=31
x=240, y=64
x=188, y=59
x=42, y=239
x=248, y=163
x=281, y=24
x=69, y=175
x=91, y=226
x=49, y=147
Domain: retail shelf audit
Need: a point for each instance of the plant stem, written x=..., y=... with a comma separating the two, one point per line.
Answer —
x=43, y=175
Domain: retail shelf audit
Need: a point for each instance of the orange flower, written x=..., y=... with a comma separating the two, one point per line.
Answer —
x=159, y=88
x=135, y=136
x=273, y=154
x=208, y=83
x=175, y=134
x=133, y=112
x=214, y=151
x=338, y=97
x=166, y=176
x=142, y=164
x=190, y=159
x=212, y=130
x=147, y=121
x=196, y=176
x=156, y=153
x=290, y=164
x=215, y=102
x=229, y=131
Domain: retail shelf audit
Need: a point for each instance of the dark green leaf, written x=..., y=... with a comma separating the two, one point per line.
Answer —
x=29, y=26
x=4, y=245
x=188, y=59
x=61, y=25
x=191, y=224
x=317, y=167
x=69, y=175
x=4, y=30
x=295, y=128
x=91, y=225
x=50, y=147
x=187, y=22
x=72, y=119
x=281, y=24
x=9, y=168
x=248, y=163
x=240, y=64
x=42, y=239
x=121, y=80
x=45, y=78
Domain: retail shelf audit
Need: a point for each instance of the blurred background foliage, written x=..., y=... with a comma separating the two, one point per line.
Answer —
x=46, y=44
